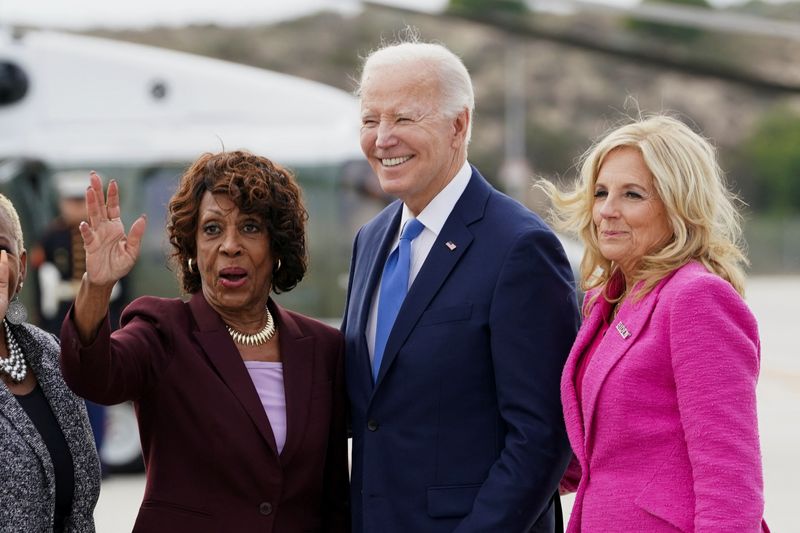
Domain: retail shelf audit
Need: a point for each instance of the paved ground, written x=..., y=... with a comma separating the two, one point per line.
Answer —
x=776, y=303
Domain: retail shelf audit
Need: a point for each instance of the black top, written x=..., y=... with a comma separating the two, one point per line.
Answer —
x=38, y=409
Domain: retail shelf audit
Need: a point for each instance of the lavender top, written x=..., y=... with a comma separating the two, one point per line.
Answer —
x=268, y=380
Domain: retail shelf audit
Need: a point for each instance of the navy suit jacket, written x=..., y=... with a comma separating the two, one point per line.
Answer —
x=463, y=429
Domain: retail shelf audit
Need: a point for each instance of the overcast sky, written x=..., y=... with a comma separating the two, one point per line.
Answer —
x=89, y=13
x=77, y=14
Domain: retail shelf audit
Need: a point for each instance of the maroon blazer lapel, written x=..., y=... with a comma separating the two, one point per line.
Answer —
x=297, y=353
x=222, y=352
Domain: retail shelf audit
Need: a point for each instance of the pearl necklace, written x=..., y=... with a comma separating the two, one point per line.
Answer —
x=254, y=339
x=14, y=365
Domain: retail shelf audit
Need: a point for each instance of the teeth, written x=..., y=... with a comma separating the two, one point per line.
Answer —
x=394, y=161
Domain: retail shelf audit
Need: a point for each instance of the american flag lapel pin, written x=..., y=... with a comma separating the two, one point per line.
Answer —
x=623, y=331
x=451, y=245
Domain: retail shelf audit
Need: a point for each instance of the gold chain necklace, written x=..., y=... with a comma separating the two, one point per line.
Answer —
x=254, y=339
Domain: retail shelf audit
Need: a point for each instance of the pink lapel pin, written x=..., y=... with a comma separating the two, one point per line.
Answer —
x=451, y=245
x=623, y=331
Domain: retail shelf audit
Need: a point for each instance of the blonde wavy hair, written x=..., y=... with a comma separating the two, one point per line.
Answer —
x=702, y=211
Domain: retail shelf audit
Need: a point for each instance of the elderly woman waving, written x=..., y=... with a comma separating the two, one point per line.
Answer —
x=240, y=402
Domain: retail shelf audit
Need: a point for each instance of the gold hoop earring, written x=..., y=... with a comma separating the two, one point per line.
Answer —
x=278, y=267
x=189, y=262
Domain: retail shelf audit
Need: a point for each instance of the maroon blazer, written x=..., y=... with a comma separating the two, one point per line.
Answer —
x=210, y=455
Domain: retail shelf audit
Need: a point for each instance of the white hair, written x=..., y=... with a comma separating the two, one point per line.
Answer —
x=16, y=228
x=456, y=85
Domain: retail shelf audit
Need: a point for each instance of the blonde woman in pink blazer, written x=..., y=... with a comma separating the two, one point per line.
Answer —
x=659, y=391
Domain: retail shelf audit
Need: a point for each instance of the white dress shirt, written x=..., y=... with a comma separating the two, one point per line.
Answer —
x=433, y=218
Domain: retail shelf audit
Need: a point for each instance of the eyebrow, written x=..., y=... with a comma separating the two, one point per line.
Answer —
x=212, y=211
x=398, y=113
x=624, y=185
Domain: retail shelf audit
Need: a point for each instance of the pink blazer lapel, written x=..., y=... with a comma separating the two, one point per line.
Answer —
x=572, y=411
x=628, y=326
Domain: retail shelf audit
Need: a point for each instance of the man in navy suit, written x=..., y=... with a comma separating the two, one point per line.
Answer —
x=456, y=413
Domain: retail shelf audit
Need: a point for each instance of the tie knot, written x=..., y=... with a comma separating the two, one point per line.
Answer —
x=412, y=229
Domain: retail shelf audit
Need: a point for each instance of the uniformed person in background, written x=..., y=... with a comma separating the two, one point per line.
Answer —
x=60, y=261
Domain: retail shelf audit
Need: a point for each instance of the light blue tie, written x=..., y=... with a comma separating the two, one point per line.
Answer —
x=394, y=286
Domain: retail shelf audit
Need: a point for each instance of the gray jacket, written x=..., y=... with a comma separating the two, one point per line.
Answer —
x=27, y=483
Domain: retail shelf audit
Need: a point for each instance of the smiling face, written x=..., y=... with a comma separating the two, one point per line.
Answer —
x=17, y=259
x=233, y=258
x=413, y=149
x=629, y=216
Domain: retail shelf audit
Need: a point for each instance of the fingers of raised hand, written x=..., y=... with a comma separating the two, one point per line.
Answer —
x=86, y=233
x=135, y=235
x=95, y=206
x=98, y=209
x=112, y=208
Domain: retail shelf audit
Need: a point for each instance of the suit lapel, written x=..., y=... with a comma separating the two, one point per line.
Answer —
x=68, y=410
x=379, y=241
x=64, y=406
x=634, y=317
x=13, y=411
x=221, y=351
x=573, y=417
x=16, y=415
x=437, y=266
x=297, y=352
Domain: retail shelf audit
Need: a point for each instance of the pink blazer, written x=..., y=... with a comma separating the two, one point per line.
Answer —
x=666, y=438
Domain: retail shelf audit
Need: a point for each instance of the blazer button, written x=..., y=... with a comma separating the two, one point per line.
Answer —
x=372, y=425
x=265, y=508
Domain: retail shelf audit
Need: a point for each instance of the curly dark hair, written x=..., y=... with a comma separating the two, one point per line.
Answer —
x=257, y=186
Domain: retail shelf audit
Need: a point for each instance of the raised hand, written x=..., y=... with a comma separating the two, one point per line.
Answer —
x=110, y=254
